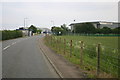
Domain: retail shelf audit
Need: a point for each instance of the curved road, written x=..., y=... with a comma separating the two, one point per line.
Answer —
x=22, y=58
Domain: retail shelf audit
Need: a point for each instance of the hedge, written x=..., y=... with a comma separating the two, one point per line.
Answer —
x=11, y=34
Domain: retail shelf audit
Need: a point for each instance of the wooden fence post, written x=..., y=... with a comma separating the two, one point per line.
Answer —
x=48, y=39
x=70, y=48
x=51, y=40
x=98, y=58
x=59, y=44
x=64, y=46
x=56, y=44
x=81, y=52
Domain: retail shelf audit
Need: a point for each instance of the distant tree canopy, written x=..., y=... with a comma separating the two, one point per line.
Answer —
x=86, y=28
x=65, y=29
x=106, y=30
x=21, y=28
x=33, y=28
x=57, y=30
x=39, y=31
x=116, y=30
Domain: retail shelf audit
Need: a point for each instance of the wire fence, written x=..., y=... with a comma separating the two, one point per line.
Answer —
x=102, y=35
x=95, y=57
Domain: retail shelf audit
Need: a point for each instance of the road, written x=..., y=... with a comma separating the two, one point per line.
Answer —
x=22, y=58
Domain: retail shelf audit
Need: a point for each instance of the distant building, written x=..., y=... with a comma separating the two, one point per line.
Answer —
x=99, y=24
x=26, y=32
x=46, y=30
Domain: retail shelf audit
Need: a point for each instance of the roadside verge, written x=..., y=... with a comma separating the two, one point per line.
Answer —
x=63, y=68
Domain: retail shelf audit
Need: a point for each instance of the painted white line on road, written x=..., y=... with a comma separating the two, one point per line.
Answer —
x=9, y=46
x=6, y=47
x=13, y=43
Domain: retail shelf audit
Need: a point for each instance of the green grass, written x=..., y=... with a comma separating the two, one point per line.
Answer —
x=111, y=42
x=108, y=56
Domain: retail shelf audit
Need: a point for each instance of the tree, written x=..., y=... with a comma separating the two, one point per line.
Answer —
x=116, y=30
x=98, y=30
x=86, y=28
x=39, y=31
x=33, y=29
x=57, y=30
x=21, y=28
x=106, y=30
x=52, y=29
x=65, y=29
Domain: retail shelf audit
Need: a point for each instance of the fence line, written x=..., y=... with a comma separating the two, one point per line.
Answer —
x=92, y=55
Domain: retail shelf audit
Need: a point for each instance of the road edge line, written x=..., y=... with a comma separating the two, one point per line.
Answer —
x=55, y=68
x=6, y=47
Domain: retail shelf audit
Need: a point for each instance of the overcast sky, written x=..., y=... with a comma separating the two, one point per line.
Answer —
x=43, y=14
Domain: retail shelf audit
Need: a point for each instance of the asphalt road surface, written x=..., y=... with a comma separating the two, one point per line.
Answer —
x=22, y=58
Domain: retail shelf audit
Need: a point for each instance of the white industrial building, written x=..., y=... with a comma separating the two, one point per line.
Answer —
x=25, y=31
x=45, y=30
x=99, y=24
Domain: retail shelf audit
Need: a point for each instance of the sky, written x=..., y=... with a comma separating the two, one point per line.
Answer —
x=45, y=14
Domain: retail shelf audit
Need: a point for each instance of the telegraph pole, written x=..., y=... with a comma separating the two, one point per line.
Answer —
x=52, y=22
x=25, y=22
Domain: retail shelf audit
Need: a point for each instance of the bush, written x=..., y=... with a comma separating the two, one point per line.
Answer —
x=86, y=28
x=8, y=34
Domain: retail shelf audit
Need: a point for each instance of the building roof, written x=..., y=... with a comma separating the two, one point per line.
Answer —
x=97, y=22
x=21, y=29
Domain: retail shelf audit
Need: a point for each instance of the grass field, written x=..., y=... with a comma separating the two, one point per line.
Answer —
x=108, y=54
x=111, y=42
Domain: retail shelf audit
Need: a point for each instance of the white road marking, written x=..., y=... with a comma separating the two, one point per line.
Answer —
x=13, y=43
x=9, y=46
x=6, y=47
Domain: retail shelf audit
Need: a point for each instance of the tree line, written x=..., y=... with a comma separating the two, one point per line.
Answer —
x=89, y=28
x=60, y=30
x=84, y=28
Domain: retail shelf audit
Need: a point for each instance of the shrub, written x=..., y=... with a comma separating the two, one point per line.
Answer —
x=8, y=34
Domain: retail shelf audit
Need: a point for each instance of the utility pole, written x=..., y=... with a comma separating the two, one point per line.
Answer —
x=52, y=22
x=25, y=22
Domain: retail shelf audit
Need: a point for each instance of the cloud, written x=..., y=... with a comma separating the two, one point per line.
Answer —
x=60, y=0
x=41, y=13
